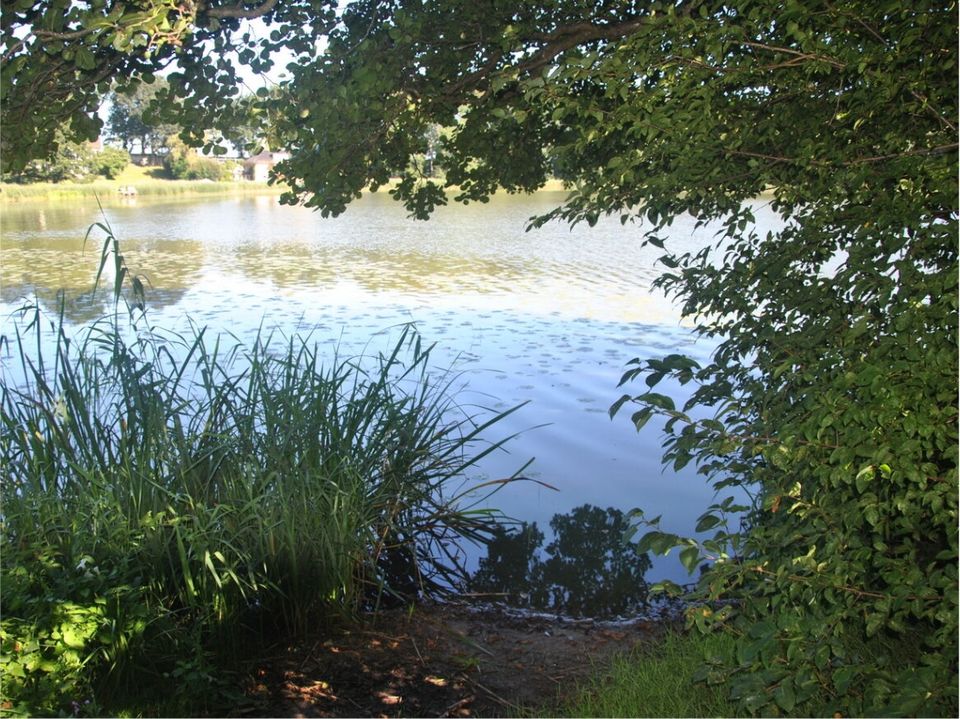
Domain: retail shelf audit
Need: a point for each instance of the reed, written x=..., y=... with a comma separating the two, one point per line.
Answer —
x=175, y=491
x=146, y=187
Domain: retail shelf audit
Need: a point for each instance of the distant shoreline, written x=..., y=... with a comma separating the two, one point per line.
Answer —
x=12, y=193
x=149, y=187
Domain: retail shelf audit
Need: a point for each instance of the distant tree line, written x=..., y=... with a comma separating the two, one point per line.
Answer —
x=73, y=161
x=134, y=128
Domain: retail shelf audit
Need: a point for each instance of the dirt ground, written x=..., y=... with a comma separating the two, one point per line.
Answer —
x=441, y=661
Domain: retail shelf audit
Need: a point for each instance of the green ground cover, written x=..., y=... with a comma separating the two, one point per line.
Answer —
x=659, y=681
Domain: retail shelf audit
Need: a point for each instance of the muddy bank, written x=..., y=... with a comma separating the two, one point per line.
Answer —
x=452, y=659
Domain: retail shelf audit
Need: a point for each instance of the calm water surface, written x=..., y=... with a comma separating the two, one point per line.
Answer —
x=549, y=316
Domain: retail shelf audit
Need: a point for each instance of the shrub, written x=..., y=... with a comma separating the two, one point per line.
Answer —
x=110, y=162
x=183, y=163
x=162, y=493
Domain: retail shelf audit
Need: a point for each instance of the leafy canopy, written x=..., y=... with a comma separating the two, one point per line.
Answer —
x=128, y=120
x=61, y=57
x=832, y=396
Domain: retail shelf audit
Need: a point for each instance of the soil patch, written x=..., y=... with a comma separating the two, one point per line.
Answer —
x=441, y=660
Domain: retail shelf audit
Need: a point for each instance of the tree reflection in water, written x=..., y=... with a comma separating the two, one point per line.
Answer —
x=589, y=569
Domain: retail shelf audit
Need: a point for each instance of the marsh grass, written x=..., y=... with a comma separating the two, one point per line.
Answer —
x=168, y=497
x=147, y=187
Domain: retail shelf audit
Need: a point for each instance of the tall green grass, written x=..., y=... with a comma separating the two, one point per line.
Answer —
x=166, y=497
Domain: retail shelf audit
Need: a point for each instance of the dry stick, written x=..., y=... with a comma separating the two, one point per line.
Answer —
x=417, y=650
x=310, y=655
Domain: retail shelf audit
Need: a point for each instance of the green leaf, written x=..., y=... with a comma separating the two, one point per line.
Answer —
x=657, y=400
x=653, y=379
x=690, y=558
x=708, y=522
x=84, y=59
x=784, y=695
x=641, y=417
x=615, y=407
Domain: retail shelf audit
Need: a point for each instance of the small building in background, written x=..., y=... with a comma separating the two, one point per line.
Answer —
x=257, y=168
x=148, y=159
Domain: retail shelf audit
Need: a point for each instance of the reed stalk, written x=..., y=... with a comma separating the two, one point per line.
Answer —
x=179, y=489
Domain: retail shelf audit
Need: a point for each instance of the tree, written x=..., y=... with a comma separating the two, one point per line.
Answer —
x=254, y=127
x=110, y=162
x=833, y=392
x=832, y=396
x=128, y=119
x=59, y=58
x=76, y=161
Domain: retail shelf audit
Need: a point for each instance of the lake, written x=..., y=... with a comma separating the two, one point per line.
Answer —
x=549, y=317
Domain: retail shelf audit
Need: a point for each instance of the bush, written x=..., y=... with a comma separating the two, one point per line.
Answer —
x=202, y=168
x=110, y=162
x=70, y=625
x=183, y=163
x=162, y=495
x=74, y=162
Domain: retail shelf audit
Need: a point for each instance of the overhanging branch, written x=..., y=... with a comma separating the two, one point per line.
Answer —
x=241, y=11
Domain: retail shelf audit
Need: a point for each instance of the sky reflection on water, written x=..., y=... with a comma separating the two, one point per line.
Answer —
x=551, y=316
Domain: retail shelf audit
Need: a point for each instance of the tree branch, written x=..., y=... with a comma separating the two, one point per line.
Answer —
x=939, y=150
x=557, y=42
x=239, y=11
x=73, y=35
x=801, y=56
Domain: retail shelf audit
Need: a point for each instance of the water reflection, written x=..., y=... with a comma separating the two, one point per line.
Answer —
x=548, y=317
x=480, y=252
x=589, y=569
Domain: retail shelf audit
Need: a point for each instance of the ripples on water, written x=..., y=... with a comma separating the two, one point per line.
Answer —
x=550, y=316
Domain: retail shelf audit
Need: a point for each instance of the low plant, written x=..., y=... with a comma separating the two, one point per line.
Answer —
x=660, y=680
x=111, y=161
x=167, y=496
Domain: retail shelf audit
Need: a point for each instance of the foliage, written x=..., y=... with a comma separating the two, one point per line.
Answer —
x=589, y=571
x=110, y=162
x=168, y=500
x=72, y=162
x=254, y=128
x=64, y=624
x=128, y=120
x=61, y=56
x=832, y=396
x=76, y=162
x=183, y=163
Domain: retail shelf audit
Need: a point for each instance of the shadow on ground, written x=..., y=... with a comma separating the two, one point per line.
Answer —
x=440, y=660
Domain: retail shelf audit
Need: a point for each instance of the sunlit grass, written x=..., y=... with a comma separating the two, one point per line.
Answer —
x=150, y=183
